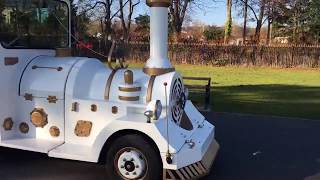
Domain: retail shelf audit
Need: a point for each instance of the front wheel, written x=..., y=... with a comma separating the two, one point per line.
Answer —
x=132, y=157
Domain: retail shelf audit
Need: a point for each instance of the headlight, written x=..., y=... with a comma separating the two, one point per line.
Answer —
x=154, y=110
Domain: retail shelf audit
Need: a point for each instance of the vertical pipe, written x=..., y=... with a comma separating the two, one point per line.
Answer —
x=159, y=38
x=158, y=62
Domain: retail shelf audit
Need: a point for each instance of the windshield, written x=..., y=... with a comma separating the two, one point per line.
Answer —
x=34, y=24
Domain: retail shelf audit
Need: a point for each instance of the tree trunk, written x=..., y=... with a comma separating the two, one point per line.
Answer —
x=126, y=26
x=260, y=21
x=228, y=25
x=245, y=18
x=178, y=12
x=107, y=33
x=123, y=23
x=258, y=32
x=177, y=34
x=73, y=24
x=269, y=35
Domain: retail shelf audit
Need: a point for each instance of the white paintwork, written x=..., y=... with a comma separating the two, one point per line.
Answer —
x=28, y=144
x=158, y=38
x=74, y=152
x=9, y=81
x=35, y=81
x=84, y=81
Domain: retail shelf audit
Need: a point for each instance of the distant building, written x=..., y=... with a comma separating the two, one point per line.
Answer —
x=281, y=40
x=238, y=41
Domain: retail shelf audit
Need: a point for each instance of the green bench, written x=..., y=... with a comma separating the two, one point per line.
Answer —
x=201, y=89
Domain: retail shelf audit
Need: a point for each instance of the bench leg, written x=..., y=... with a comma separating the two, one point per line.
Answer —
x=207, y=98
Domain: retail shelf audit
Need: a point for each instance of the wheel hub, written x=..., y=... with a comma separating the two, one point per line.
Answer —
x=131, y=164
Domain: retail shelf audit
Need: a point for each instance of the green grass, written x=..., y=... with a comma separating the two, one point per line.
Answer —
x=257, y=90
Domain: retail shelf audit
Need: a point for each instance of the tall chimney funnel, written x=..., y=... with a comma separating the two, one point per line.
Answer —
x=158, y=62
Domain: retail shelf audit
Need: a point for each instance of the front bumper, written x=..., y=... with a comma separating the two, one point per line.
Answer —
x=196, y=170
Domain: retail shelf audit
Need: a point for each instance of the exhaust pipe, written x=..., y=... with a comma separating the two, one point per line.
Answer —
x=158, y=62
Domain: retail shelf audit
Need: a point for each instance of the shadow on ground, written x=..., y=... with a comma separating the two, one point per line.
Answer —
x=276, y=100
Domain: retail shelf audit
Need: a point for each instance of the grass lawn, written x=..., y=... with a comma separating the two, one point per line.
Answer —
x=264, y=91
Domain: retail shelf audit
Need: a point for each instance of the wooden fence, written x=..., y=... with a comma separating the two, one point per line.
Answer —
x=221, y=55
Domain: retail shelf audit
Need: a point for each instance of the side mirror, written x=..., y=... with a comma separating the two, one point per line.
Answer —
x=155, y=107
x=149, y=115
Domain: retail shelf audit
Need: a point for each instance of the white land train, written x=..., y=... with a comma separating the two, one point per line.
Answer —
x=137, y=121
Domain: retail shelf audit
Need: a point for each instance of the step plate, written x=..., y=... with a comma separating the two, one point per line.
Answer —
x=35, y=145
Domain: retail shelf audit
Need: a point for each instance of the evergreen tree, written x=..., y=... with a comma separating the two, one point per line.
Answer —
x=143, y=26
x=294, y=20
x=314, y=22
x=1, y=11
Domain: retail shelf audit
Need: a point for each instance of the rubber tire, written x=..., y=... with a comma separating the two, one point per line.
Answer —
x=139, y=142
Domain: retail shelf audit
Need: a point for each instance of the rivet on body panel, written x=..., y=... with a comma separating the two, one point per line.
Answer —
x=114, y=110
x=94, y=108
x=24, y=128
x=8, y=124
x=54, y=131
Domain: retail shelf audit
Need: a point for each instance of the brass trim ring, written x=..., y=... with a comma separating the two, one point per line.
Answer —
x=124, y=98
x=159, y=3
x=157, y=71
x=130, y=89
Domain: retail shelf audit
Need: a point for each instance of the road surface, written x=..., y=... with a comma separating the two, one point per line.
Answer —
x=252, y=148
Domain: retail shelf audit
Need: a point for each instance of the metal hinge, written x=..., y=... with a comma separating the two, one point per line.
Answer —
x=75, y=107
x=28, y=97
x=10, y=61
x=52, y=99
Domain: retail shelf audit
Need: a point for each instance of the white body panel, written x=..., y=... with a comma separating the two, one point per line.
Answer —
x=84, y=80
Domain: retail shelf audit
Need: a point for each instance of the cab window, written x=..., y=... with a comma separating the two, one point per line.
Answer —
x=34, y=24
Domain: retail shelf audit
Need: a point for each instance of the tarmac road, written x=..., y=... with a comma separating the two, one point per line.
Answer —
x=252, y=148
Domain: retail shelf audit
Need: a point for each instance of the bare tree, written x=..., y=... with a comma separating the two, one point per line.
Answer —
x=258, y=12
x=106, y=11
x=260, y=19
x=102, y=9
x=106, y=6
x=178, y=12
x=245, y=19
x=126, y=20
x=243, y=11
x=272, y=12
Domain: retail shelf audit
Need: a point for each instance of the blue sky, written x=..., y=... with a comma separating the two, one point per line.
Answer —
x=216, y=15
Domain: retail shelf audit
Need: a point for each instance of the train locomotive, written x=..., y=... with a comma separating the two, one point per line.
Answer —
x=138, y=121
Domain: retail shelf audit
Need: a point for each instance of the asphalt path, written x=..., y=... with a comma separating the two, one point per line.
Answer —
x=252, y=148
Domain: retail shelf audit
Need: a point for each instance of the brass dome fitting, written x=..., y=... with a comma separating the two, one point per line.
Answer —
x=128, y=77
x=159, y=3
